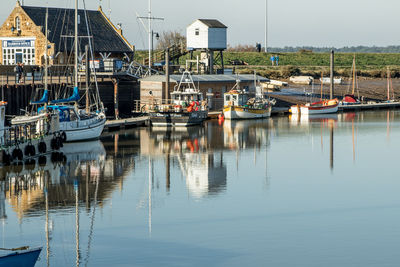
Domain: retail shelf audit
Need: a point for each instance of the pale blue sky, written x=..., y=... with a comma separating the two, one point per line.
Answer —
x=291, y=22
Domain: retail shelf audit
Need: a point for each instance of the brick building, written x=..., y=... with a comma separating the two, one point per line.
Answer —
x=23, y=37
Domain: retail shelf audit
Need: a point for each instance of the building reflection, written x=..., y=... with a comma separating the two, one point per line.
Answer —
x=198, y=152
x=205, y=173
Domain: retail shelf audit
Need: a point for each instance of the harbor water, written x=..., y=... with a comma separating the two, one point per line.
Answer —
x=285, y=191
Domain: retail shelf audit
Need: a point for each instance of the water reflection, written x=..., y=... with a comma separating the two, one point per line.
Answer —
x=167, y=170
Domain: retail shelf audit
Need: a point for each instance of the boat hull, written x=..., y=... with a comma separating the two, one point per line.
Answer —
x=177, y=119
x=35, y=142
x=324, y=110
x=81, y=130
x=322, y=107
x=237, y=113
x=20, y=258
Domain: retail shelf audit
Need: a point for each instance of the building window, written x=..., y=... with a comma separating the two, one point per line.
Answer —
x=197, y=31
x=17, y=23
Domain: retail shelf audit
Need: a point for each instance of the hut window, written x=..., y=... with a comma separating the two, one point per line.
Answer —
x=17, y=23
x=197, y=31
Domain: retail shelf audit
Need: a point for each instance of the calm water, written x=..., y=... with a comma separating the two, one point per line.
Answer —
x=280, y=192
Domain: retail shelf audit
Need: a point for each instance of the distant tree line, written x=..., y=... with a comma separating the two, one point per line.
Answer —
x=346, y=49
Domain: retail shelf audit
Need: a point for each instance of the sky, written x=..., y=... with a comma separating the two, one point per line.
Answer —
x=318, y=23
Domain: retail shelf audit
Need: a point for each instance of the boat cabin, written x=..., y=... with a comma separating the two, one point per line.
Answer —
x=235, y=98
x=66, y=113
x=186, y=97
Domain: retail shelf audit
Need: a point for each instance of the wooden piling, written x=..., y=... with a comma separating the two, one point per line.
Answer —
x=332, y=75
x=116, y=108
x=167, y=75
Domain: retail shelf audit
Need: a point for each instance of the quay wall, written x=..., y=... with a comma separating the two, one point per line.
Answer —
x=18, y=96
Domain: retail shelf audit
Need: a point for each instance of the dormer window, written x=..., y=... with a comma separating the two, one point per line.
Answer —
x=197, y=31
x=18, y=23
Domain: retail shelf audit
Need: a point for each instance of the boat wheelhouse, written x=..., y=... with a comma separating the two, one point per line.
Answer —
x=187, y=106
x=239, y=105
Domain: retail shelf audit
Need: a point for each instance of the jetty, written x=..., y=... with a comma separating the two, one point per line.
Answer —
x=112, y=125
x=370, y=105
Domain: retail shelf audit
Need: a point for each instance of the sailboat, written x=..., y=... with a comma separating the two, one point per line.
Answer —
x=75, y=124
x=350, y=99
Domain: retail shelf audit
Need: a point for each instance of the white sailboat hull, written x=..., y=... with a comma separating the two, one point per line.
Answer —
x=83, y=130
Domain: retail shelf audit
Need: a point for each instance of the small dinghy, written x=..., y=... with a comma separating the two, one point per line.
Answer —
x=19, y=257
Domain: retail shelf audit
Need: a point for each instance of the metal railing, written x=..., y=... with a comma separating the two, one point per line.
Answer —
x=165, y=105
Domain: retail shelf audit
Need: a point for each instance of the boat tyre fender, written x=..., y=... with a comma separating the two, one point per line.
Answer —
x=18, y=167
x=42, y=147
x=60, y=141
x=54, y=144
x=17, y=154
x=30, y=164
x=42, y=161
x=63, y=137
x=30, y=150
x=54, y=157
x=6, y=158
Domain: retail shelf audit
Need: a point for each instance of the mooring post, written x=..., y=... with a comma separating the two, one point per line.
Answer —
x=116, y=110
x=331, y=147
x=168, y=172
x=332, y=69
x=166, y=75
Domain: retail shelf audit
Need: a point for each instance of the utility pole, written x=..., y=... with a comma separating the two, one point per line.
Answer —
x=266, y=26
x=150, y=32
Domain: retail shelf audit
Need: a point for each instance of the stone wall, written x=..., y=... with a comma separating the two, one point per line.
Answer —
x=27, y=29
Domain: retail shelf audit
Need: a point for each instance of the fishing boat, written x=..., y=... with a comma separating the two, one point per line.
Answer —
x=20, y=257
x=320, y=107
x=28, y=139
x=239, y=105
x=187, y=107
x=75, y=124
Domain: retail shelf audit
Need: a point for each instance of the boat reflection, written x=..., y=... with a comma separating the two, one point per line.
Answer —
x=204, y=172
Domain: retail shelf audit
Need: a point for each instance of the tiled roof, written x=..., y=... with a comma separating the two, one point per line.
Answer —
x=61, y=23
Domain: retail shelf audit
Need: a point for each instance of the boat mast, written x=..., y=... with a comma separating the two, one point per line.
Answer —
x=46, y=64
x=76, y=44
x=354, y=74
x=388, y=83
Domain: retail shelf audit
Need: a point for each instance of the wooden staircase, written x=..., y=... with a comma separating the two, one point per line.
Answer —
x=175, y=52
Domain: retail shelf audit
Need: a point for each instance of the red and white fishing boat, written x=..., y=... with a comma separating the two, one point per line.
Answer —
x=321, y=107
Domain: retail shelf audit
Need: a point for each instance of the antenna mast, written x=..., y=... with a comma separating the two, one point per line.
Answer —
x=266, y=26
x=150, y=32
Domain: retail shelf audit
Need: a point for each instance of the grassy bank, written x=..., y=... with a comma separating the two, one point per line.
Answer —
x=307, y=63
